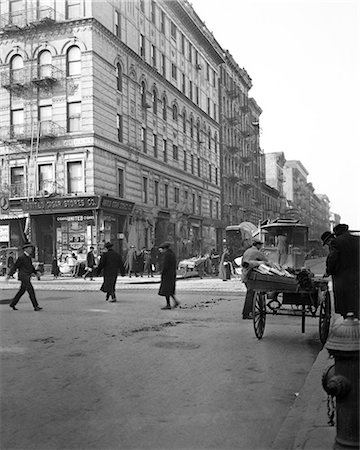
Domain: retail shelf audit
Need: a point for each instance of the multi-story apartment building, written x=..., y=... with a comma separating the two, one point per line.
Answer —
x=109, y=125
x=240, y=147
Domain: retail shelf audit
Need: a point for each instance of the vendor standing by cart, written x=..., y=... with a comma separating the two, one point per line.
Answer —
x=252, y=257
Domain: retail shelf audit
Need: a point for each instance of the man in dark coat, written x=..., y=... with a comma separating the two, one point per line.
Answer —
x=343, y=264
x=90, y=264
x=168, y=275
x=110, y=264
x=25, y=269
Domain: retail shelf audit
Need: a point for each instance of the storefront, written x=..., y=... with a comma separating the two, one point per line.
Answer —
x=59, y=226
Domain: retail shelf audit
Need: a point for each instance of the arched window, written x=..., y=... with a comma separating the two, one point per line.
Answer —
x=73, y=66
x=175, y=112
x=45, y=64
x=143, y=94
x=16, y=67
x=118, y=77
x=154, y=100
x=164, y=108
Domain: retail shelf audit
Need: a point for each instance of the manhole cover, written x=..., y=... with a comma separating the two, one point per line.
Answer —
x=179, y=344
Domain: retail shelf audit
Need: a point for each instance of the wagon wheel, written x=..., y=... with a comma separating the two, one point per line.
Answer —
x=259, y=314
x=324, y=315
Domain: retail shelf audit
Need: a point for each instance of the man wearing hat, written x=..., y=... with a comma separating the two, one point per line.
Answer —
x=168, y=274
x=252, y=257
x=25, y=269
x=110, y=264
x=343, y=264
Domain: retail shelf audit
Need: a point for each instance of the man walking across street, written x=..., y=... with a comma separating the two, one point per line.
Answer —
x=343, y=264
x=90, y=264
x=168, y=275
x=252, y=257
x=25, y=269
x=110, y=264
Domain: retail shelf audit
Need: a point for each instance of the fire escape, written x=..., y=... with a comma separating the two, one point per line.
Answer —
x=27, y=85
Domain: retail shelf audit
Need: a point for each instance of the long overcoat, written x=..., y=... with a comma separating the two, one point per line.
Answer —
x=168, y=273
x=343, y=264
x=110, y=264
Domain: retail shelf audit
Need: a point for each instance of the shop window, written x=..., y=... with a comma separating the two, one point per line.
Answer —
x=73, y=63
x=75, y=183
x=73, y=116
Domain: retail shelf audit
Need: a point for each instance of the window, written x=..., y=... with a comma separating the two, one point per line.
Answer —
x=118, y=77
x=74, y=177
x=175, y=112
x=217, y=209
x=182, y=44
x=154, y=101
x=185, y=160
x=45, y=116
x=214, y=109
x=190, y=52
x=162, y=22
x=173, y=30
x=193, y=204
x=209, y=139
x=166, y=195
x=142, y=46
x=183, y=84
x=210, y=173
x=164, y=109
x=145, y=190
x=184, y=121
x=153, y=12
x=208, y=106
x=153, y=56
x=45, y=177
x=120, y=180
x=174, y=71
x=143, y=139
x=17, y=178
x=197, y=94
x=207, y=72
x=45, y=67
x=156, y=193
x=175, y=153
x=17, y=122
x=165, y=150
x=73, y=116
x=214, y=78
x=190, y=90
x=216, y=175
x=16, y=8
x=192, y=164
x=191, y=127
x=155, y=145
x=117, y=20
x=142, y=5
x=72, y=9
x=211, y=208
x=119, y=126
x=215, y=142
x=199, y=205
x=163, y=65
x=73, y=67
x=143, y=94
x=176, y=195
x=199, y=167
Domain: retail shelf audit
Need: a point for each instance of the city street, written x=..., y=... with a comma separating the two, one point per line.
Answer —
x=87, y=374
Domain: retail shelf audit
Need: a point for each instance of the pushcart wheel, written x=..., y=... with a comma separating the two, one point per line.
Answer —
x=324, y=316
x=259, y=314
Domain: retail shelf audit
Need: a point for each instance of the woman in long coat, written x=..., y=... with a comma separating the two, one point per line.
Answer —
x=168, y=275
x=110, y=264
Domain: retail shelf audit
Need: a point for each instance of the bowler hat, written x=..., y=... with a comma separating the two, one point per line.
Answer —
x=108, y=245
x=27, y=245
x=340, y=229
x=326, y=236
x=165, y=245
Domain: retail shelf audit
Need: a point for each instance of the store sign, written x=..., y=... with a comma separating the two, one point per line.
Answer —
x=74, y=218
x=55, y=204
x=4, y=233
x=116, y=204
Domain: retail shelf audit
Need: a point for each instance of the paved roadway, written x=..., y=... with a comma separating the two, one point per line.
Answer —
x=87, y=374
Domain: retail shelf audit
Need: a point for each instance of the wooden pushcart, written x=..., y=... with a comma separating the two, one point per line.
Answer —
x=280, y=295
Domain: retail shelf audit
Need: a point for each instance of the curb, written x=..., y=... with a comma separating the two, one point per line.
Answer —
x=306, y=425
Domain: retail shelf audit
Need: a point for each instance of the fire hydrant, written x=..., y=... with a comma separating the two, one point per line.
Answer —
x=342, y=380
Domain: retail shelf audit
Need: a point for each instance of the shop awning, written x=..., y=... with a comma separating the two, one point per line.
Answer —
x=13, y=216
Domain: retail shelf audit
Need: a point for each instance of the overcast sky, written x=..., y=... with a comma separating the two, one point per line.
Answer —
x=304, y=60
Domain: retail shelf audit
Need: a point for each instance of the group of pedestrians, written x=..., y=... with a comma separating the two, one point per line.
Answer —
x=110, y=266
x=140, y=262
